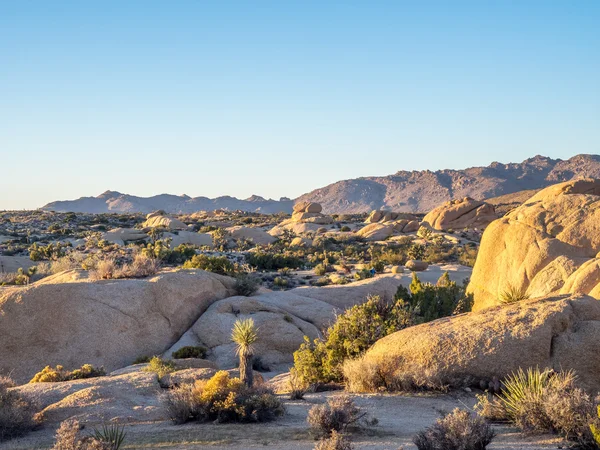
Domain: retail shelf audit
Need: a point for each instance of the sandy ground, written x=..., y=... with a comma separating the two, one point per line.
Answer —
x=400, y=417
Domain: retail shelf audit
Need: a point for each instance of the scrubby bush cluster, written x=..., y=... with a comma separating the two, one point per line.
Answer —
x=339, y=414
x=216, y=264
x=141, y=266
x=68, y=437
x=352, y=333
x=359, y=327
x=544, y=401
x=159, y=366
x=17, y=412
x=458, y=430
x=54, y=375
x=222, y=399
x=190, y=351
x=262, y=260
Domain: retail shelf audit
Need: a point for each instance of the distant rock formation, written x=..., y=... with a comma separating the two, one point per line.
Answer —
x=414, y=191
x=461, y=214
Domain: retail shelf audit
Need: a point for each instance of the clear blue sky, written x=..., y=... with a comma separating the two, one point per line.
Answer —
x=277, y=98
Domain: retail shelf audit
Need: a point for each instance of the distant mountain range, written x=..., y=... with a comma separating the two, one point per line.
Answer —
x=414, y=191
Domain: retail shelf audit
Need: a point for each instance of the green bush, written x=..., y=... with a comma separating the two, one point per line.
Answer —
x=189, y=352
x=215, y=264
x=320, y=269
x=246, y=285
x=273, y=261
x=50, y=251
x=159, y=366
x=345, y=228
x=53, y=375
x=352, y=334
x=432, y=301
x=222, y=399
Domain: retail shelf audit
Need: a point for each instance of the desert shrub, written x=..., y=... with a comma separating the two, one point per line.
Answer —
x=336, y=441
x=110, y=437
x=142, y=359
x=105, y=269
x=58, y=374
x=216, y=264
x=363, y=274
x=416, y=251
x=545, y=401
x=280, y=282
x=458, y=430
x=189, y=352
x=222, y=399
x=298, y=387
x=19, y=278
x=51, y=251
x=337, y=414
x=273, y=261
x=352, y=333
x=141, y=266
x=159, y=366
x=378, y=266
x=220, y=239
x=345, y=228
x=383, y=373
x=16, y=411
x=320, y=269
x=246, y=285
x=468, y=255
x=433, y=301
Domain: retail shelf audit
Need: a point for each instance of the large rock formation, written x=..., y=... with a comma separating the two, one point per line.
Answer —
x=67, y=320
x=460, y=214
x=306, y=218
x=547, y=245
x=476, y=348
x=387, y=216
x=256, y=235
x=159, y=219
x=379, y=231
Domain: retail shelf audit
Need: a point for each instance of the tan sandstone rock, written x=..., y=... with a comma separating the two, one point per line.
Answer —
x=554, y=332
x=547, y=245
x=71, y=321
x=460, y=214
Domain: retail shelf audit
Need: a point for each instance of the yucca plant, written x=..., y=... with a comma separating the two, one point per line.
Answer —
x=112, y=435
x=513, y=294
x=523, y=388
x=245, y=334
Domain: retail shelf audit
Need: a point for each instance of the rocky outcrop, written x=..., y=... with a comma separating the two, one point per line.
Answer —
x=68, y=320
x=189, y=238
x=120, y=236
x=306, y=218
x=159, y=219
x=256, y=235
x=387, y=216
x=379, y=231
x=476, y=348
x=547, y=245
x=460, y=214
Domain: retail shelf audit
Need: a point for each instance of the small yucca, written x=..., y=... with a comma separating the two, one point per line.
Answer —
x=111, y=435
x=513, y=294
x=245, y=335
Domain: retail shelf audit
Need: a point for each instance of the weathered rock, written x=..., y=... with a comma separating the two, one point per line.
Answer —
x=307, y=207
x=121, y=235
x=301, y=242
x=124, y=398
x=71, y=321
x=554, y=332
x=460, y=214
x=190, y=238
x=416, y=265
x=386, y=216
x=397, y=269
x=547, y=245
x=376, y=231
x=162, y=221
x=256, y=235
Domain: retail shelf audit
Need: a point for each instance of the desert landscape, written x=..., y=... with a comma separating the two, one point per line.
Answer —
x=299, y=225
x=236, y=329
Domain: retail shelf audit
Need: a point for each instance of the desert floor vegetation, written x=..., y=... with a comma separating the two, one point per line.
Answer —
x=57, y=374
x=17, y=411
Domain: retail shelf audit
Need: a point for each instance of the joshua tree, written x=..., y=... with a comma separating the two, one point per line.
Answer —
x=244, y=334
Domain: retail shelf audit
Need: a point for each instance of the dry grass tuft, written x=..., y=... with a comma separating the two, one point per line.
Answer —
x=17, y=412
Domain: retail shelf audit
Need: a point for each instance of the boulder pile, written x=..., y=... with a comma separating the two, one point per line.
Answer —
x=306, y=218
x=160, y=219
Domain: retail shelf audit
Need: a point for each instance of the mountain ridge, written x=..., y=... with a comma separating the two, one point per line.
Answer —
x=403, y=191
